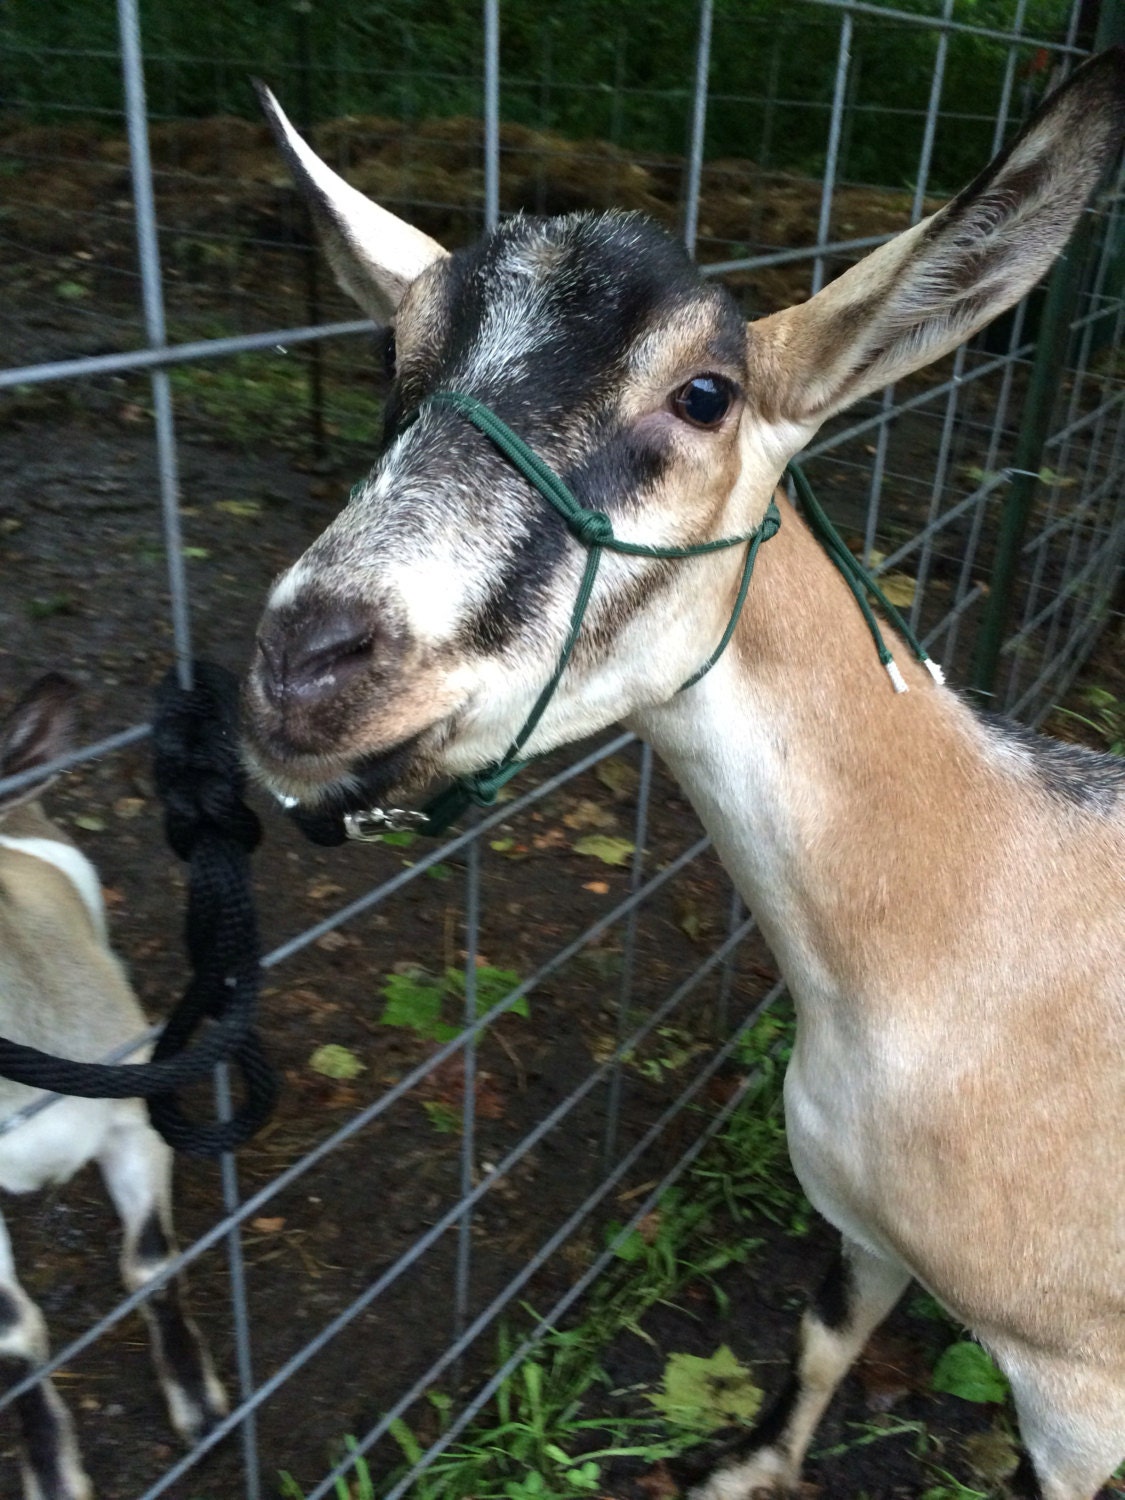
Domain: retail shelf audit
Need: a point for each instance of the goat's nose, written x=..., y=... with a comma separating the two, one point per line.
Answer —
x=313, y=658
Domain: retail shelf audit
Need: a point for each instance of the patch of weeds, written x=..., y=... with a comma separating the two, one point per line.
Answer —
x=1106, y=718
x=951, y=1488
x=360, y=1487
x=420, y=1001
x=47, y=607
x=252, y=398
x=537, y=1442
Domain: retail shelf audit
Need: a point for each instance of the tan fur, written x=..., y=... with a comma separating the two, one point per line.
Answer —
x=951, y=926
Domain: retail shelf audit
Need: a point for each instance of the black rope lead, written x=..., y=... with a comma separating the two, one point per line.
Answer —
x=201, y=781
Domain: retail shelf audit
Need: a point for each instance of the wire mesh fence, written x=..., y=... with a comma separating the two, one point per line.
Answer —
x=500, y=1051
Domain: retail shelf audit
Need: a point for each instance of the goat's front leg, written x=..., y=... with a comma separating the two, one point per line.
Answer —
x=857, y=1295
x=50, y=1460
x=137, y=1167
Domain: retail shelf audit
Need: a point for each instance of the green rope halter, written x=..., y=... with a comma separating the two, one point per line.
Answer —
x=594, y=529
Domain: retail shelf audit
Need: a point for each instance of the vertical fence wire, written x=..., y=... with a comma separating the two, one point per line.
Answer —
x=698, y=131
x=152, y=287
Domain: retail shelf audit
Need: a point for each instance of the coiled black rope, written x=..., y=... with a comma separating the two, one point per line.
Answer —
x=200, y=780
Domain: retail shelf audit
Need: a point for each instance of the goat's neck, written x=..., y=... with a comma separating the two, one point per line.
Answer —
x=828, y=794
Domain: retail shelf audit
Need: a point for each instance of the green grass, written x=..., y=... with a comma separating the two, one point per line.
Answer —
x=546, y=1435
x=251, y=398
x=1106, y=718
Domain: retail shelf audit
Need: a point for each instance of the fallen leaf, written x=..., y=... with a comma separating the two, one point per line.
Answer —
x=90, y=823
x=588, y=814
x=706, y=1394
x=690, y=920
x=599, y=887
x=268, y=1226
x=242, y=508
x=610, y=851
x=649, y=1227
x=129, y=807
x=992, y=1455
x=618, y=776
x=334, y=1061
x=658, y=1483
x=899, y=588
x=323, y=890
x=332, y=941
x=889, y=1369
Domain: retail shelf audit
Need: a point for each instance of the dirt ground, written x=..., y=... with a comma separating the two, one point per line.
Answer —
x=84, y=590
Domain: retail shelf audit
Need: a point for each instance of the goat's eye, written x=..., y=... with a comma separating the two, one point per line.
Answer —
x=390, y=354
x=704, y=401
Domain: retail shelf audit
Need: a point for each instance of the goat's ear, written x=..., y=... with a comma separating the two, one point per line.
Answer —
x=37, y=730
x=919, y=296
x=374, y=254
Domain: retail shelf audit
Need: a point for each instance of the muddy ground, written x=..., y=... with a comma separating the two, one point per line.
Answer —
x=84, y=589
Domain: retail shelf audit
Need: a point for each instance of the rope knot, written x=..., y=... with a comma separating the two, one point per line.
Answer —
x=197, y=768
x=593, y=528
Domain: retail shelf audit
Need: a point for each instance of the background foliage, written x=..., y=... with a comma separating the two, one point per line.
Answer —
x=618, y=70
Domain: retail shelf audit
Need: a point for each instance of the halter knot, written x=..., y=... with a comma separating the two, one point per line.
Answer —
x=593, y=528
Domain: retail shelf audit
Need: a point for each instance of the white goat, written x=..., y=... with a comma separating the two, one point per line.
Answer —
x=945, y=895
x=63, y=990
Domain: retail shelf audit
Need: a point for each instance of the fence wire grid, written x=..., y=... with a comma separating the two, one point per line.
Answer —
x=522, y=1041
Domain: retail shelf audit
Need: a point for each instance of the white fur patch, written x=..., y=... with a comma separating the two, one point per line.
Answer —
x=74, y=865
x=434, y=595
x=288, y=586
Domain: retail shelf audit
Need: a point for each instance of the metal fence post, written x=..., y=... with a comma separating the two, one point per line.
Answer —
x=1063, y=289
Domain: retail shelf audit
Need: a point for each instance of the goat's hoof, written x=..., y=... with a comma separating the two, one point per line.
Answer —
x=197, y=1411
x=70, y=1483
x=764, y=1474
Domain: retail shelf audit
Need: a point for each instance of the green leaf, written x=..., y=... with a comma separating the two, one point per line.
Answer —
x=706, y=1394
x=399, y=838
x=197, y=554
x=443, y=1117
x=965, y=1370
x=90, y=823
x=413, y=1003
x=335, y=1061
x=411, y=1447
x=242, y=508
x=609, y=850
x=618, y=776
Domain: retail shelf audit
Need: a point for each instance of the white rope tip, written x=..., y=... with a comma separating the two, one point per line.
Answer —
x=897, y=679
x=934, y=669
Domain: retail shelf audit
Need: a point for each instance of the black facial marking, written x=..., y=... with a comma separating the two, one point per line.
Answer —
x=610, y=276
x=1085, y=778
x=619, y=469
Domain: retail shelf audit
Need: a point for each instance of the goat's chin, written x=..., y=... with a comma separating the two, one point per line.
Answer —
x=347, y=784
